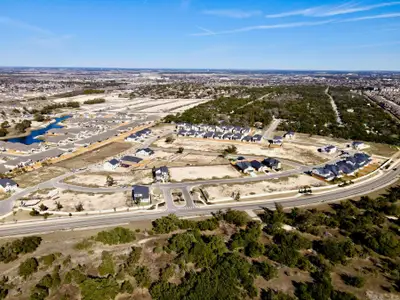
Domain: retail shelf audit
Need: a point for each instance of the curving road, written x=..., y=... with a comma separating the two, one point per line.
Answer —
x=38, y=227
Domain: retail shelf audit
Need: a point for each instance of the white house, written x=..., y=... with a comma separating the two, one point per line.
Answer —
x=8, y=185
x=111, y=165
x=359, y=145
x=144, y=152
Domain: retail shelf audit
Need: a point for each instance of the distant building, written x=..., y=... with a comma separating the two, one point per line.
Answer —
x=256, y=138
x=141, y=194
x=359, y=145
x=111, y=165
x=258, y=166
x=277, y=140
x=330, y=149
x=8, y=185
x=289, y=135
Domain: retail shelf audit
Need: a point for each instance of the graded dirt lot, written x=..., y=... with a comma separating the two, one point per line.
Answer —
x=299, y=153
x=266, y=186
x=40, y=175
x=98, y=179
x=95, y=156
x=90, y=202
x=206, y=172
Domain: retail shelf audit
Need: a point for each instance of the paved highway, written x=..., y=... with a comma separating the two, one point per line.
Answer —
x=38, y=227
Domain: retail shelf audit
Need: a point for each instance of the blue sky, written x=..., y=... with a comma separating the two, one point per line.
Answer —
x=247, y=34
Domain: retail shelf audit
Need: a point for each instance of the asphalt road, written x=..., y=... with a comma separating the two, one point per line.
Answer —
x=271, y=129
x=38, y=227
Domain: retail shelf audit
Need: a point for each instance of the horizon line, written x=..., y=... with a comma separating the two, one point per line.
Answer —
x=208, y=69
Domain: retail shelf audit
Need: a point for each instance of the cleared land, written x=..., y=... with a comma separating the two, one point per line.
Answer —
x=207, y=172
x=300, y=153
x=40, y=175
x=99, y=179
x=90, y=202
x=262, y=187
x=95, y=156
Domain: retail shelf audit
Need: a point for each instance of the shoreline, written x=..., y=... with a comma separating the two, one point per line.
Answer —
x=30, y=129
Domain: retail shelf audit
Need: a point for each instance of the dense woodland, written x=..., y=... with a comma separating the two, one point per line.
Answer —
x=305, y=109
x=228, y=256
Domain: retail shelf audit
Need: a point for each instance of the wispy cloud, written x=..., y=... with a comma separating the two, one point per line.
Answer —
x=327, y=11
x=51, y=41
x=233, y=13
x=382, y=16
x=210, y=32
x=22, y=25
x=264, y=27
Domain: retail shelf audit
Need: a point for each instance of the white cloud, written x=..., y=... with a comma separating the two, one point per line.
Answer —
x=373, y=17
x=326, y=11
x=264, y=27
x=22, y=25
x=233, y=13
x=51, y=41
x=210, y=32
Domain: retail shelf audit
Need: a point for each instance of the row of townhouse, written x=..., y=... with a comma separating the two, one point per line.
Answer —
x=347, y=166
x=28, y=160
x=140, y=135
x=260, y=166
x=221, y=136
x=212, y=128
x=22, y=148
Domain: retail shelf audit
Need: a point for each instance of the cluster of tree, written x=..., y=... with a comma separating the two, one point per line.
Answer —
x=228, y=277
x=11, y=250
x=230, y=150
x=118, y=235
x=5, y=287
x=93, y=91
x=95, y=101
x=22, y=126
x=172, y=223
x=48, y=109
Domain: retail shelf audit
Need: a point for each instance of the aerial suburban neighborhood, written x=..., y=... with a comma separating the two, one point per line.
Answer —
x=145, y=146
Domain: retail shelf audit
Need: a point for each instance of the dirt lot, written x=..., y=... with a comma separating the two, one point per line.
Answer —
x=95, y=156
x=90, y=202
x=171, y=159
x=300, y=153
x=281, y=184
x=98, y=179
x=207, y=172
x=39, y=175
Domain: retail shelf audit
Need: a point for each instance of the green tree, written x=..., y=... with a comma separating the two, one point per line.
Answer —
x=28, y=267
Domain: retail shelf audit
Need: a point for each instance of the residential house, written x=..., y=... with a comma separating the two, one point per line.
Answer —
x=323, y=173
x=272, y=163
x=330, y=149
x=256, y=138
x=247, y=138
x=144, y=152
x=277, y=140
x=111, y=165
x=289, y=135
x=209, y=135
x=237, y=136
x=132, y=138
x=219, y=135
x=244, y=167
x=161, y=174
x=130, y=160
x=141, y=194
x=258, y=166
x=8, y=185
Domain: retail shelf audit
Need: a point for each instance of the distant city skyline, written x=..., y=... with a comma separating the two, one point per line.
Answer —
x=202, y=34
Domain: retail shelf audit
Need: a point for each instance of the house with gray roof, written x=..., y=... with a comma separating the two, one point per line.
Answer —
x=140, y=194
x=8, y=185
